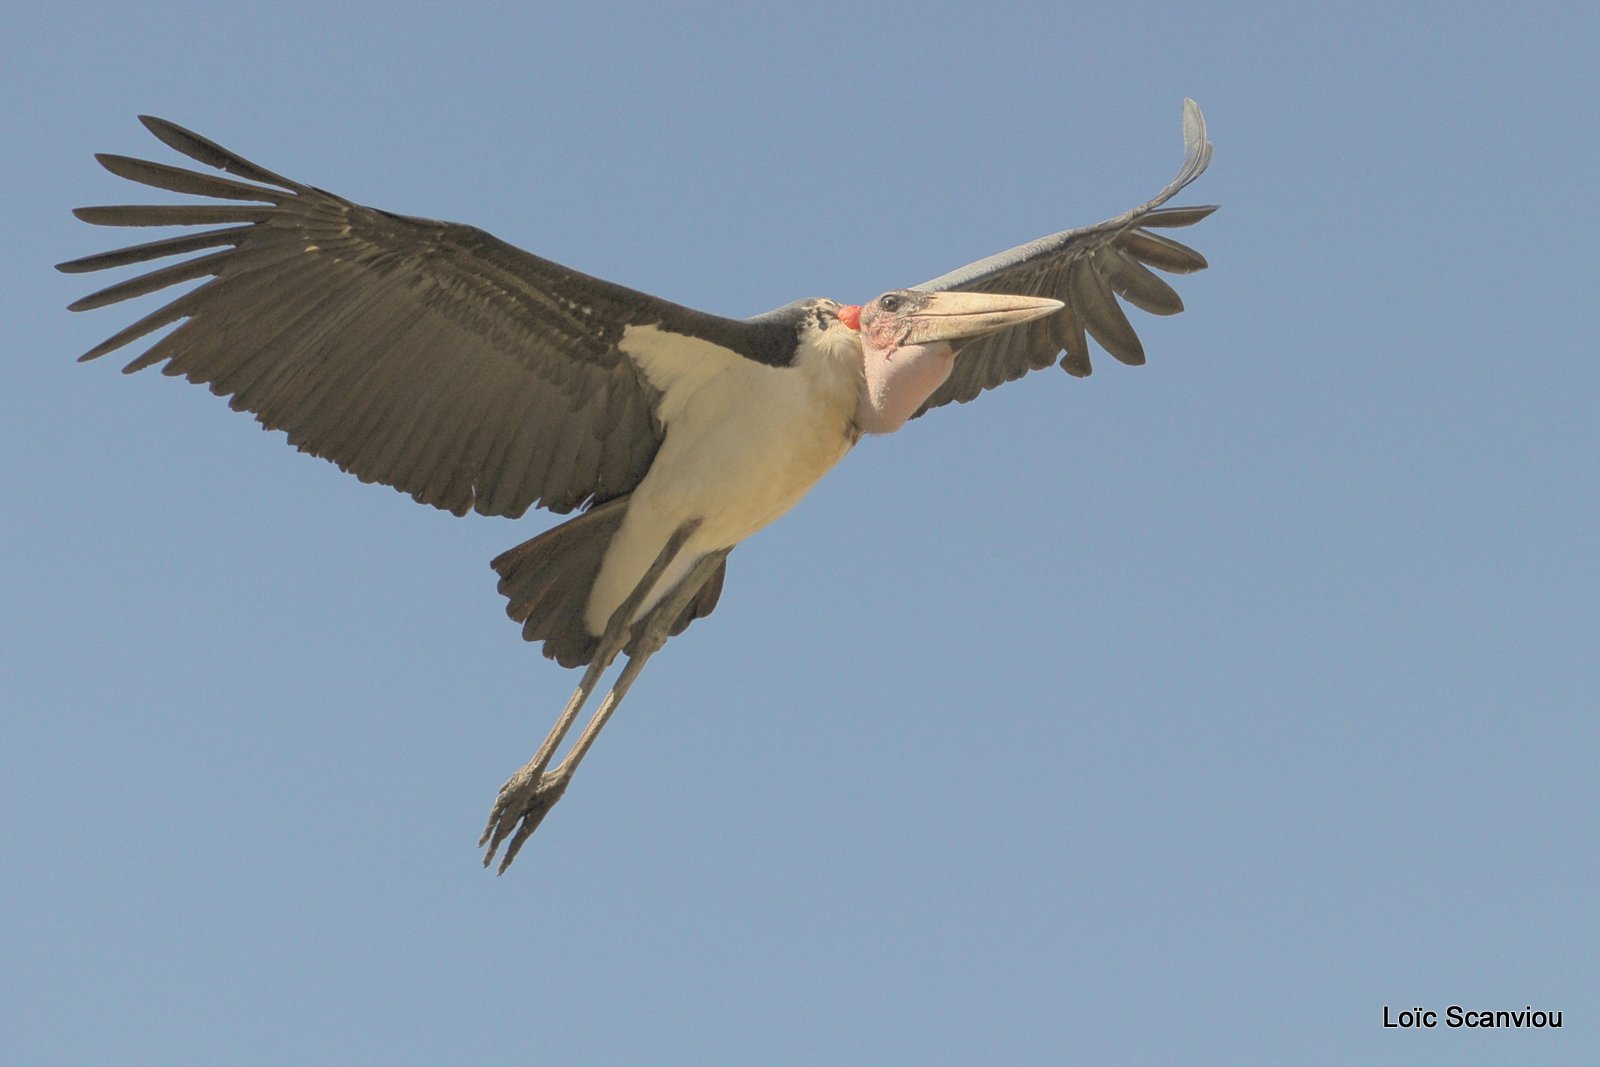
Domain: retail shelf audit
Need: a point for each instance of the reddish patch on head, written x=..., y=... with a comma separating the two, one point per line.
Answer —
x=850, y=315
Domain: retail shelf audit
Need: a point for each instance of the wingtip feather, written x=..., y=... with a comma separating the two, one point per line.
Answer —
x=1194, y=126
x=1196, y=144
x=204, y=150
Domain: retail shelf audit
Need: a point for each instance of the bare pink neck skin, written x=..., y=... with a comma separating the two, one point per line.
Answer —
x=898, y=380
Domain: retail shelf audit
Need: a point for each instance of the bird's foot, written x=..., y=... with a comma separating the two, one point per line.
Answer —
x=523, y=802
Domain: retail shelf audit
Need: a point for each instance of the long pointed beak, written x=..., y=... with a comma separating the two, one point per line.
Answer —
x=960, y=316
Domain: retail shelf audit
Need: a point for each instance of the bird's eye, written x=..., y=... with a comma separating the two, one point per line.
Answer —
x=890, y=303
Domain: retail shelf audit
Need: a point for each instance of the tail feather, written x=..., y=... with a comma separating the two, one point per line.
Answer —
x=547, y=580
x=704, y=602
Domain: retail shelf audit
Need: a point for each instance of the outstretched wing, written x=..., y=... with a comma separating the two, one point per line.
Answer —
x=425, y=355
x=1086, y=269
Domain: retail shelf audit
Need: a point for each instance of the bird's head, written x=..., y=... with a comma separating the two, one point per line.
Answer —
x=909, y=341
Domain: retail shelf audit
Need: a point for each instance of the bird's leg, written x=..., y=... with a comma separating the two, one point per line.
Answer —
x=651, y=635
x=649, y=640
x=528, y=794
x=525, y=786
x=611, y=642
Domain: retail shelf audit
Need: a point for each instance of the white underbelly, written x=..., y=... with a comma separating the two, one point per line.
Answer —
x=743, y=443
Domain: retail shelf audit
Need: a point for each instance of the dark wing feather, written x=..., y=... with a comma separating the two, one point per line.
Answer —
x=1087, y=269
x=426, y=355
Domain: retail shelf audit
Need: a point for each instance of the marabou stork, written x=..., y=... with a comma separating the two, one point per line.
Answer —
x=476, y=377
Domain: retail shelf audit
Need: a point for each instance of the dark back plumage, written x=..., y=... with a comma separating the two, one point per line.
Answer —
x=435, y=358
x=426, y=355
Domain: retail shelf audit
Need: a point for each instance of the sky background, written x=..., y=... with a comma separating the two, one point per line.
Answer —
x=1190, y=713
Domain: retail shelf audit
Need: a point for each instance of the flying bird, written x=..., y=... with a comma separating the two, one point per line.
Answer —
x=477, y=377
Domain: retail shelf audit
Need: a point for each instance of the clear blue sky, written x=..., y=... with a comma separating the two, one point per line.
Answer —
x=1190, y=713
